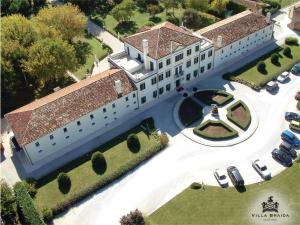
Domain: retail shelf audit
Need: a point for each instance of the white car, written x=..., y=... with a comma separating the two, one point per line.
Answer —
x=220, y=175
x=262, y=169
x=282, y=77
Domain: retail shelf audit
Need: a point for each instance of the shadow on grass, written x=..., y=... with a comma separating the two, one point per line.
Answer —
x=155, y=19
x=127, y=27
x=100, y=169
x=241, y=189
x=135, y=149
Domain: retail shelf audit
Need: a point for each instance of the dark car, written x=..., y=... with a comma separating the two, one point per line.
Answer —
x=297, y=96
x=292, y=116
x=288, y=148
x=235, y=176
x=282, y=157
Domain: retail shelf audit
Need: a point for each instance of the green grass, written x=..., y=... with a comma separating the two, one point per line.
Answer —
x=285, y=3
x=189, y=112
x=138, y=20
x=101, y=51
x=250, y=76
x=82, y=175
x=214, y=205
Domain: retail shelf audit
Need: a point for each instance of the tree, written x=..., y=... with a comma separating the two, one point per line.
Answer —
x=133, y=143
x=98, y=162
x=190, y=18
x=287, y=51
x=219, y=5
x=67, y=19
x=133, y=218
x=8, y=204
x=124, y=11
x=274, y=58
x=200, y=5
x=153, y=10
x=64, y=182
x=261, y=66
x=49, y=59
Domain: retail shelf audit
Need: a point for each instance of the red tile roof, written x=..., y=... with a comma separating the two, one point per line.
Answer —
x=160, y=38
x=49, y=113
x=234, y=28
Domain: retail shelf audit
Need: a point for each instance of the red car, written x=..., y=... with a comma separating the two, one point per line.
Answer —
x=297, y=96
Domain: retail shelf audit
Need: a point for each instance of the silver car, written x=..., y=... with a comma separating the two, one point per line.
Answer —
x=262, y=169
x=221, y=177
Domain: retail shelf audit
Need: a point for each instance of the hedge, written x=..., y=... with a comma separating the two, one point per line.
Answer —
x=206, y=97
x=291, y=41
x=231, y=133
x=26, y=207
x=243, y=125
x=121, y=171
x=189, y=112
x=232, y=77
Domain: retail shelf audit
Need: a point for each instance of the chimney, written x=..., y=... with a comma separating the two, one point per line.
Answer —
x=219, y=41
x=118, y=87
x=145, y=50
x=268, y=17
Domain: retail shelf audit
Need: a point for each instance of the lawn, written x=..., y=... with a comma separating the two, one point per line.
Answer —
x=285, y=3
x=189, y=112
x=101, y=51
x=249, y=75
x=118, y=158
x=214, y=205
x=138, y=20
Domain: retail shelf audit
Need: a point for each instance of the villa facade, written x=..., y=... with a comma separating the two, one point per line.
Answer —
x=155, y=62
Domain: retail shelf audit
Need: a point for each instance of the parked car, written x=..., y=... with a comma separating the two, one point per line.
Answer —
x=282, y=157
x=296, y=68
x=294, y=125
x=288, y=148
x=292, y=116
x=235, y=176
x=271, y=86
x=291, y=138
x=221, y=177
x=297, y=96
x=282, y=77
x=262, y=169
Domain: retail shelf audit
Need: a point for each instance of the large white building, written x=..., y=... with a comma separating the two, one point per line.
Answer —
x=155, y=61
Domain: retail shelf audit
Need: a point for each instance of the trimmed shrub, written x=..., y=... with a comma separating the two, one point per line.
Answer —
x=287, y=51
x=275, y=58
x=261, y=66
x=133, y=143
x=243, y=124
x=195, y=186
x=133, y=218
x=28, y=212
x=30, y=184
x=98, y=162
x=164, y=139
x=47, y=215
x=291, y=41
x=64, y=182
x=8, y=204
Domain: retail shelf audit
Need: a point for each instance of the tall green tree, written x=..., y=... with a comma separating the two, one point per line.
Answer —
x=153, y=10
x=124, y=11
x=219, y=5
x=49, y=59
x=67, y=19
x=8, y=204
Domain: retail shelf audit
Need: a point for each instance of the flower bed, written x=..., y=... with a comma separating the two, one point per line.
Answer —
x=215, y=130
x=239, y=114
x=218, y=97
x=189, y=112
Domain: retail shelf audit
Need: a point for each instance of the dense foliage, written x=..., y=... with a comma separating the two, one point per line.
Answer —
x=98, y=162
x=30, y=185
x=64, y=182
x=47, y=215
x=291, y=41
x=8, y=204
x=24, y=7
x=28, y=212
x=261, y=66
x=271, y=6
x=133, y=143
x=133, y=218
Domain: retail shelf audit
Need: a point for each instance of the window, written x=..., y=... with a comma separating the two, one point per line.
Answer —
x=65, y=130
x=127, y=106
x=196, y=60
x=189, y=52
x=240, y=42
x=105, y=117
x=161, y=90
x=53, y=143
x=202, y=57
x=92, y=116
x=160, y=77
x=37, y=144
x=126, y=99
x=67, y=137
x=40, y=151
x=178, y=70
x=210, y=53
x=151, y=66
x=153, y=80
x=202, y=69
x=188, y=76
x=160, y=65
x=222, y=51
x=93, y=123
x=208, y=66
x=143, y=99
x=78, y=123
x=115, y=112
x=104, y=109
x=142, y=86
x=188, y=63
x=80, y=130
x=113, y=105
x=168, y=62
x=230, y=46
x=154, y=94
x=197, y=48
x=51, y=137
x=168, y=87
x=168, y=73
x=133, y=95
x=178, y=57
x=195, y=73
x=134, y=102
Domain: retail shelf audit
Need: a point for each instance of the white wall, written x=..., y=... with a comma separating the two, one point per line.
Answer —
x=243, y=45
x=46, y=146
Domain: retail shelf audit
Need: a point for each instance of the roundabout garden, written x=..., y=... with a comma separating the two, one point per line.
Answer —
x=215, y=118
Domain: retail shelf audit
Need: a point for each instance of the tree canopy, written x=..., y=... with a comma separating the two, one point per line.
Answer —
x=123, y=11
